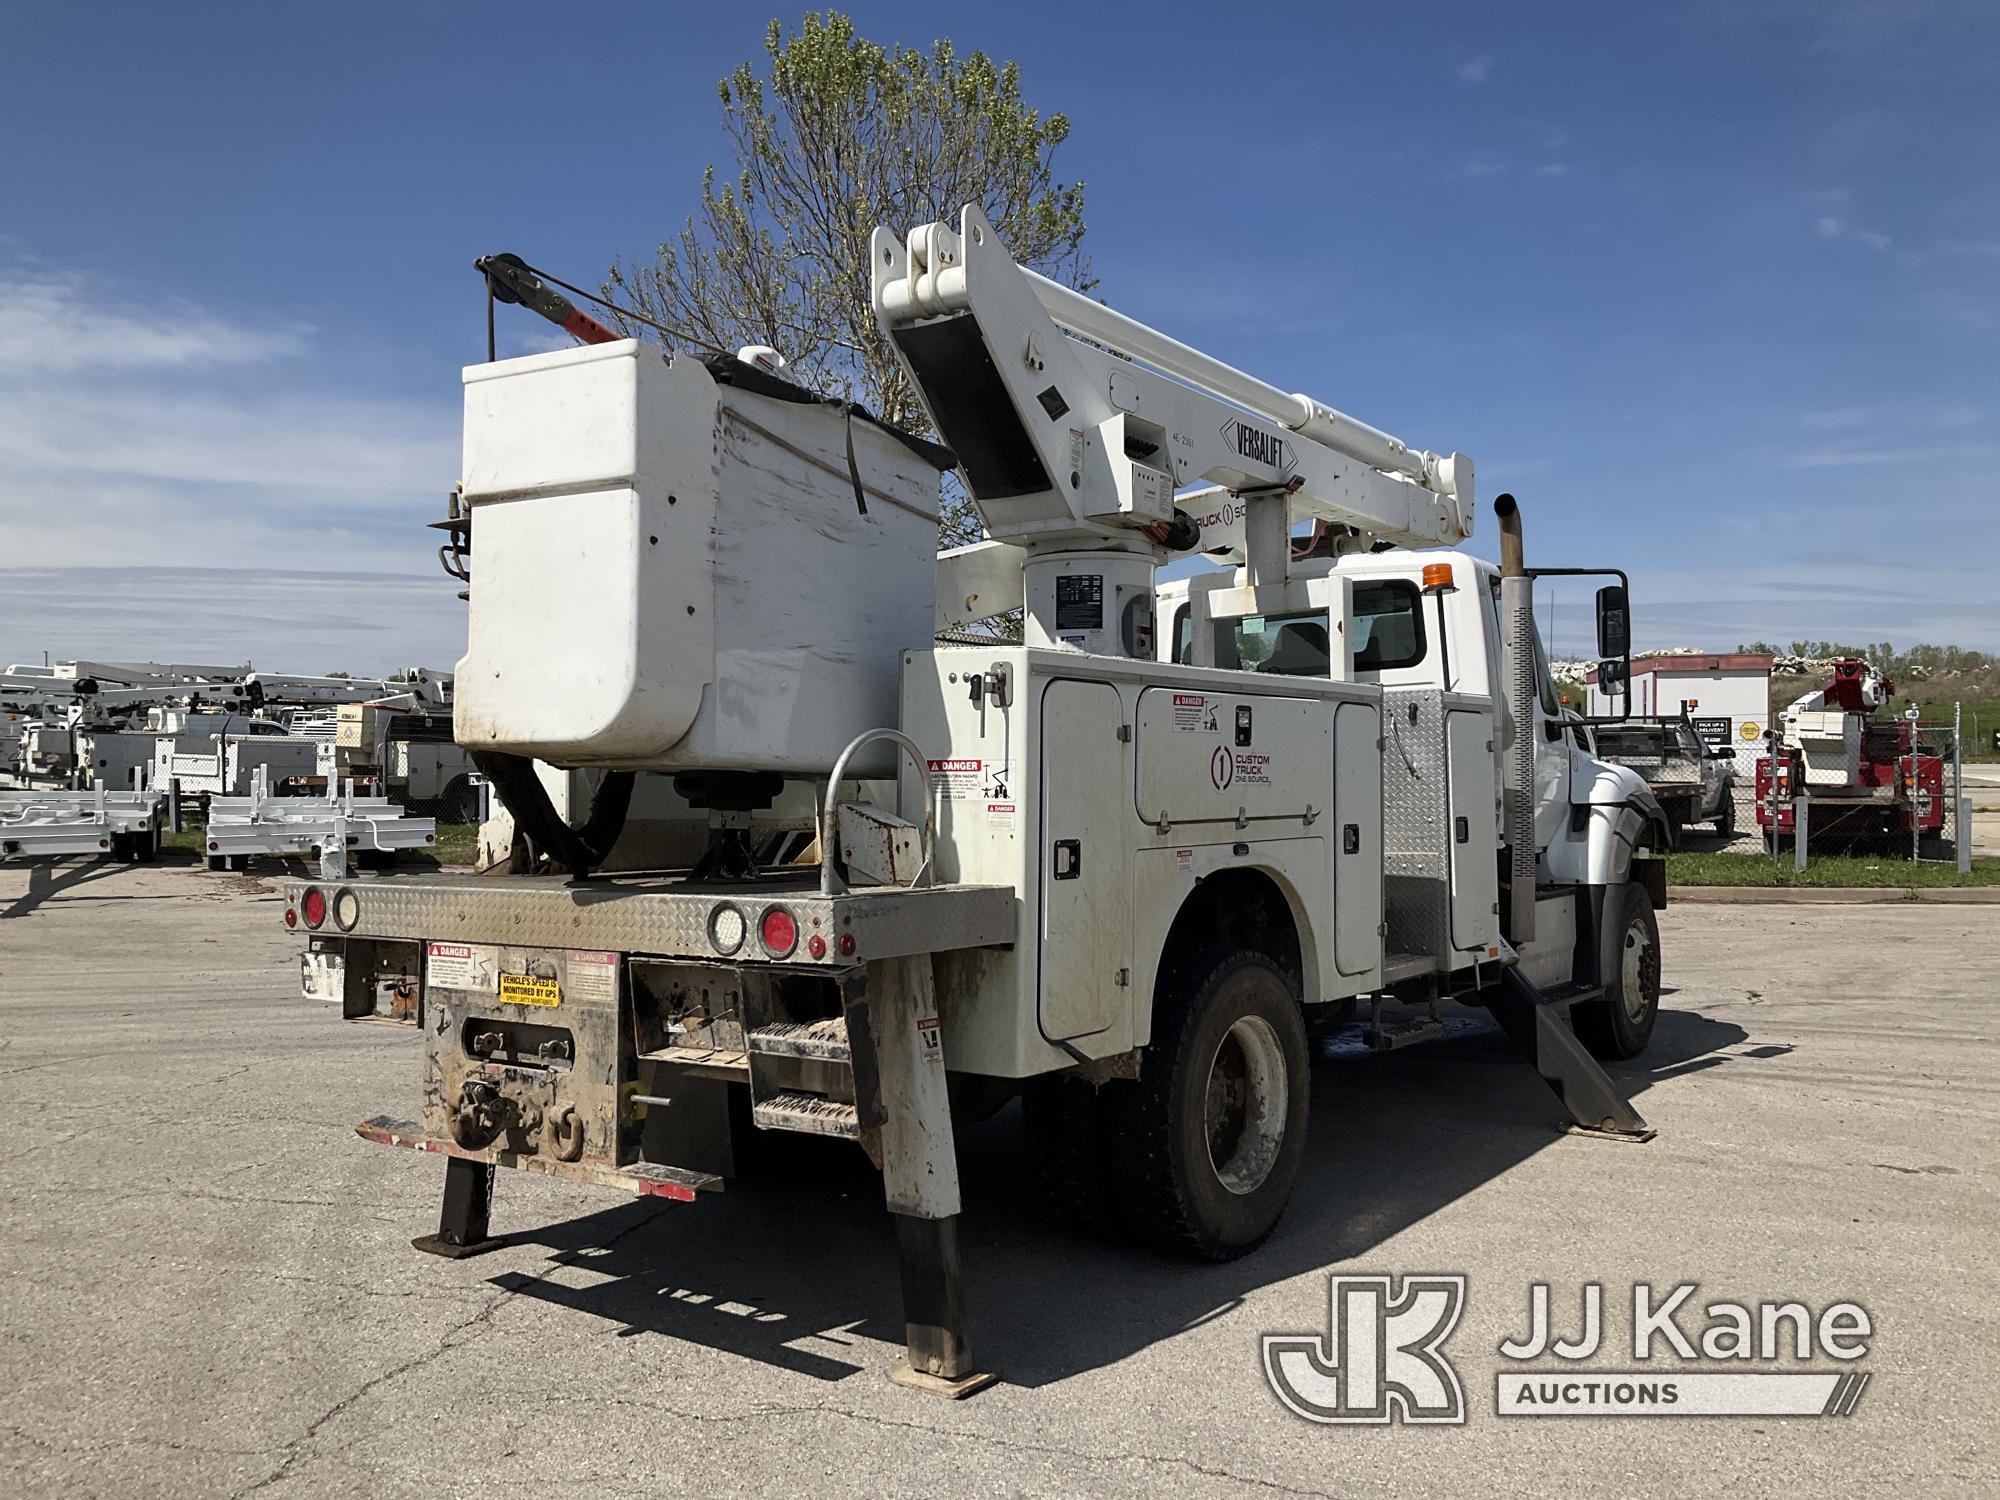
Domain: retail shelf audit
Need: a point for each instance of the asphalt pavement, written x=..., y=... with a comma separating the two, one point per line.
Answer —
x=207, y=1287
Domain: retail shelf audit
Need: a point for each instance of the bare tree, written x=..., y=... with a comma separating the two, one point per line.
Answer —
x=837, y=135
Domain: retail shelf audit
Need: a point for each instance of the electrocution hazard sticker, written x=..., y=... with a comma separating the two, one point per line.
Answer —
x=959, y=780
x=462, y=966
x=1194, y=713
x=1002, y=817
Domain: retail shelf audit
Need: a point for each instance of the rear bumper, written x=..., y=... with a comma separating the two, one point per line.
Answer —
x=642, y=1179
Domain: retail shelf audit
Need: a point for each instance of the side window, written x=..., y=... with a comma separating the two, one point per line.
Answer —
x=1551, y=705
x=1284, y=645
x=1183, y=636
x=1388, y=625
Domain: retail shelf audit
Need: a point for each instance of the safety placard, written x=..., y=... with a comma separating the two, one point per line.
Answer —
x=529, y=989
x=959, y=780
x=461, y=966
x=592, y=976
x=1194, y=713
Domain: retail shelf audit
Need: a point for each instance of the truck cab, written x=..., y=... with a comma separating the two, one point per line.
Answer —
x=1430, y=620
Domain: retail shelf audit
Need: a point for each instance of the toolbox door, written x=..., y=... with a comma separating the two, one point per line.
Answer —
x=1086, y=875
x=1357, y=838
x=1474, y=829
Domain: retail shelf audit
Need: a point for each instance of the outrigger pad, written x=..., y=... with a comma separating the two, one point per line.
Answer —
x=910, y=1378
x=437, y=1244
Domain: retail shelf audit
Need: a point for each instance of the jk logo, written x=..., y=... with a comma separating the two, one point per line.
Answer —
x=1380, y=1359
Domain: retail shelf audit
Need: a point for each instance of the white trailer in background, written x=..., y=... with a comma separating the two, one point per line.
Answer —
x=100, y=823
x=333, y=828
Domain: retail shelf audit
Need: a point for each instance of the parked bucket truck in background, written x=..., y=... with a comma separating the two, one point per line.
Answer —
x=1121, y=872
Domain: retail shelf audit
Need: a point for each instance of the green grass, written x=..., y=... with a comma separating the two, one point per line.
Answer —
x=1834, y=871
x=458, y=843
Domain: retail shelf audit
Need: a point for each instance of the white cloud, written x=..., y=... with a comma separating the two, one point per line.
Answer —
x=55, y=324
x=290, y=621
x=1833, y=227
x=1474, y=69
x=136, y=438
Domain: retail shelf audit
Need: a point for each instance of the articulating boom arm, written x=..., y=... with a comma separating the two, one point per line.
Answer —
x=1062, y=442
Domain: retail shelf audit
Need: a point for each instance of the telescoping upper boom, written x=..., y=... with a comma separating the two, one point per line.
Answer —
x=1062, y=440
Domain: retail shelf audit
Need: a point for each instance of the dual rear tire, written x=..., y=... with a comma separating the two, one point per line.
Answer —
x=1202, y=1151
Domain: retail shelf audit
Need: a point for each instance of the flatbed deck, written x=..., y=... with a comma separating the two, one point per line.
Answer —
x=667, y=915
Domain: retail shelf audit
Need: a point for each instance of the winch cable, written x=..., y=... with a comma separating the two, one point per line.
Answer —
x=511, y=279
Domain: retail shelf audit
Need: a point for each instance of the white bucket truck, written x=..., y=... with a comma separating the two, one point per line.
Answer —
x=1125, y=861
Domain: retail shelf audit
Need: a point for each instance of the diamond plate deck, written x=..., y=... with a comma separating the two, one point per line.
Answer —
x=657, y=916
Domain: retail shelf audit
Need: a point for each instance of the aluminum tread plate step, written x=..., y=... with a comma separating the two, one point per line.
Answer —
x=643, y=1179
x=728, y=1063
x=824, y=1040
x=808, y=1114
x=1393, y=1034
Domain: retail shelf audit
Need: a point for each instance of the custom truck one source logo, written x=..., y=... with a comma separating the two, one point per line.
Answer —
x=1382, y=1357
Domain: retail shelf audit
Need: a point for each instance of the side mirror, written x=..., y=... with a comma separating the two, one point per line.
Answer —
x=1614, y=622
x=1611, y=674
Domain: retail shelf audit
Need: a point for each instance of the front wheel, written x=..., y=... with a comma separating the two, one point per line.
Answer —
x=1621, y=1024
x=1212, y=1135
x=1725, y=817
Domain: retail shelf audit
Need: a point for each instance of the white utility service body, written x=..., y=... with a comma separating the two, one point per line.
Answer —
x=1117, y=866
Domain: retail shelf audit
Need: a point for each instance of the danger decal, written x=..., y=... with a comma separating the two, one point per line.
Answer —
x=959, y=780
x=1194, y=713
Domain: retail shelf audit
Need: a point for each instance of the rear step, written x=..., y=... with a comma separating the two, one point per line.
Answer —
x=810, y=1114
x=730, y=1064
x=823, y=1040
x=1390, y=1035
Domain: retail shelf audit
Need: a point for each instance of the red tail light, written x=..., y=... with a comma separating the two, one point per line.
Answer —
x=313, y=905
x=778, y=932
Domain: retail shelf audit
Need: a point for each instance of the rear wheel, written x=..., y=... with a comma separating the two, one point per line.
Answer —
x=1212, y=1136
x=1621, y=1024
x=1071, y=1130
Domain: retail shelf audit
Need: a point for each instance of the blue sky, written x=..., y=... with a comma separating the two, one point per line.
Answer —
x=1713, y=287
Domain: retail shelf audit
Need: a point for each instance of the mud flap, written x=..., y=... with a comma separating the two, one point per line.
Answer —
x=1542, y=1032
